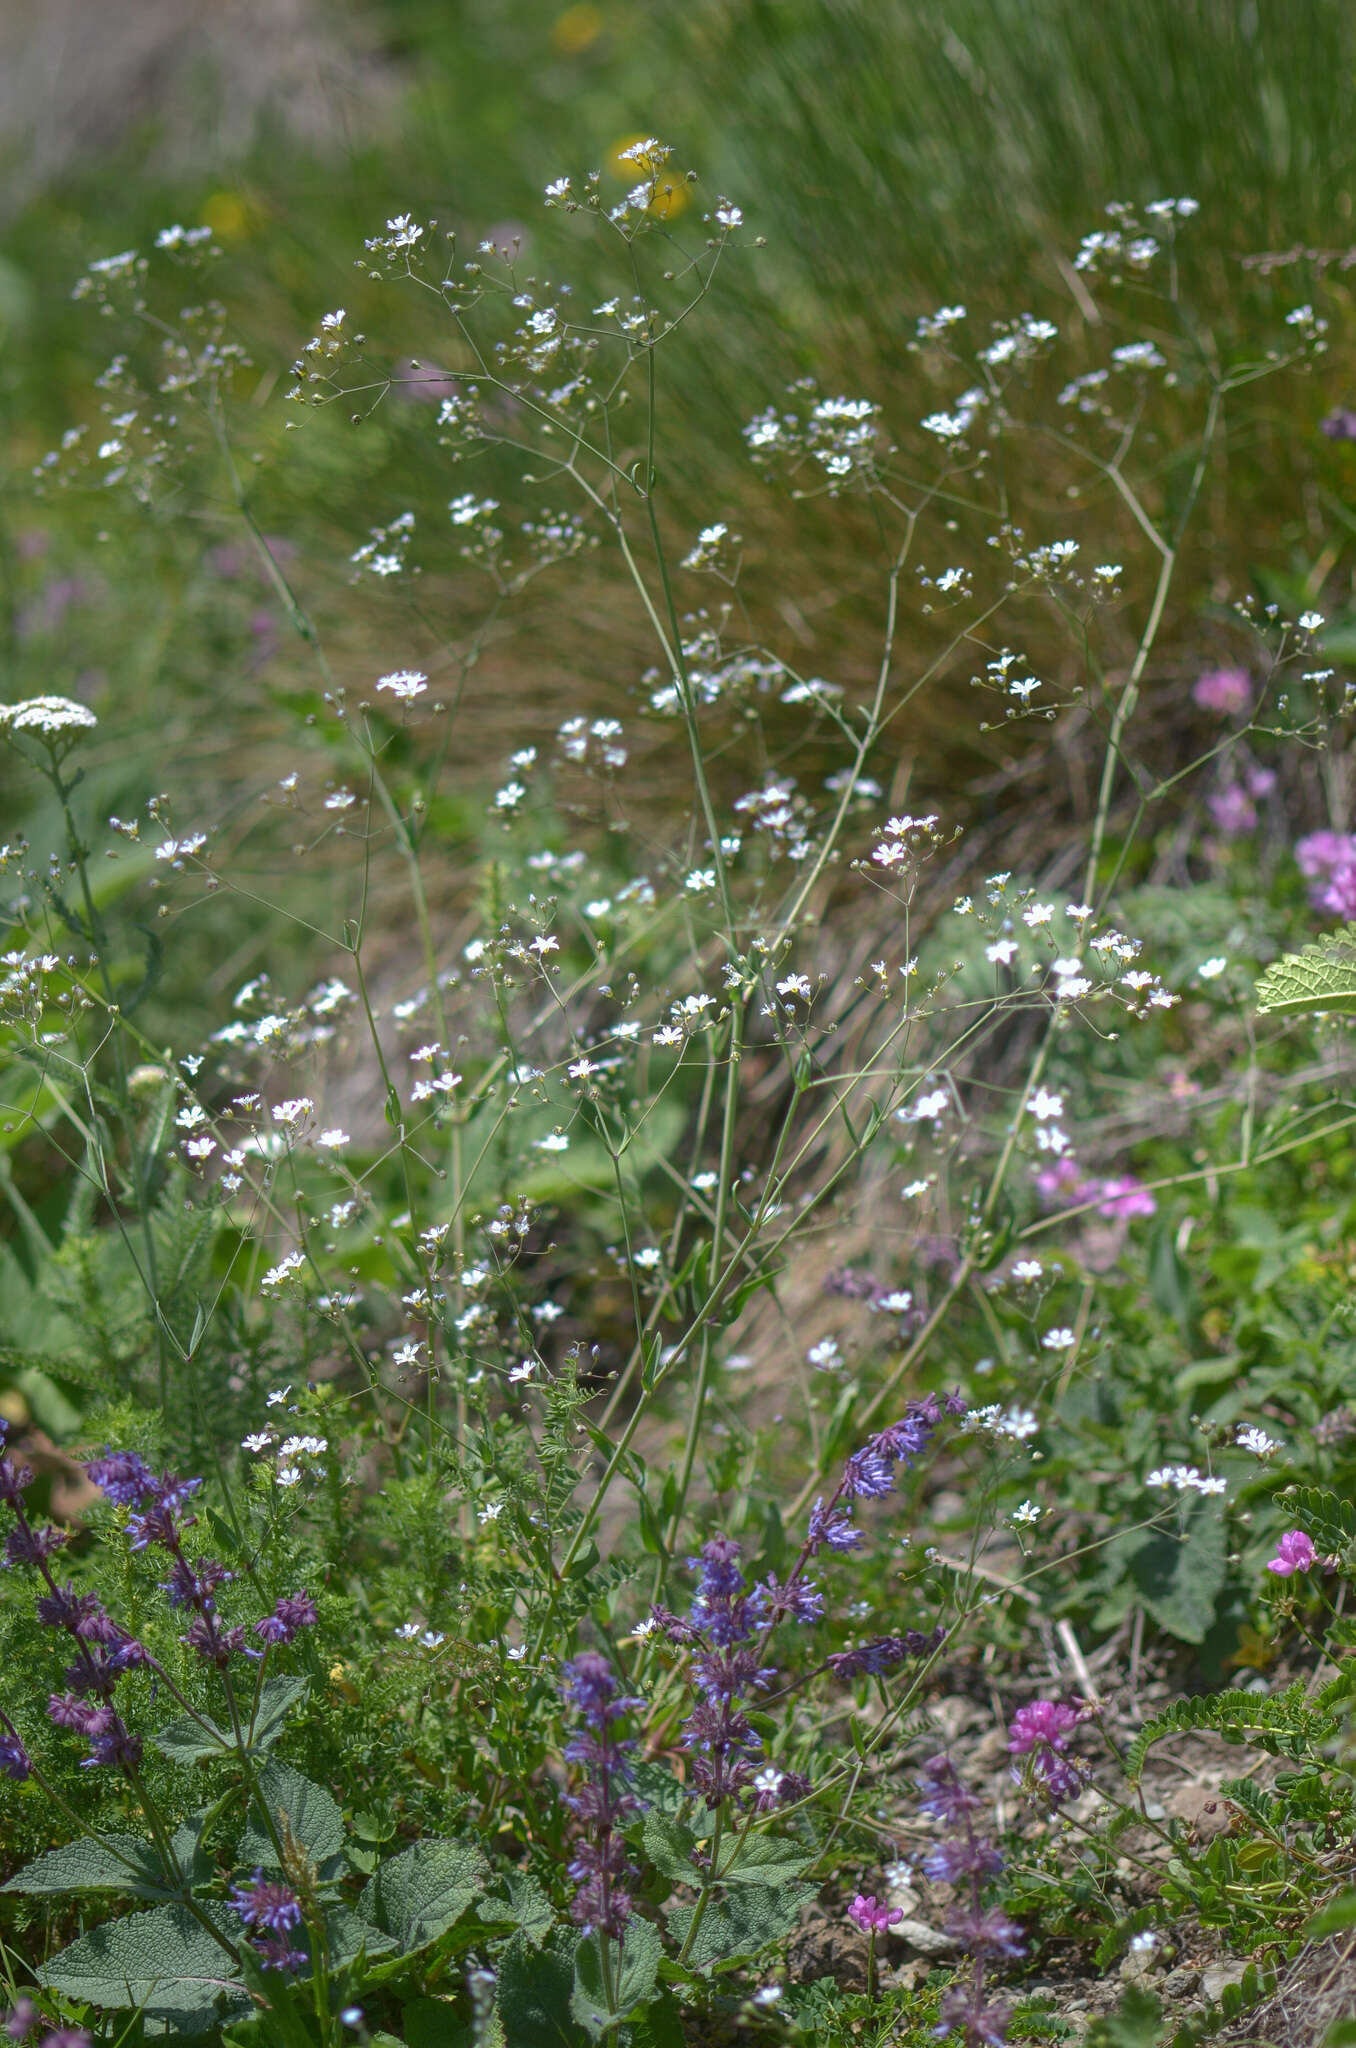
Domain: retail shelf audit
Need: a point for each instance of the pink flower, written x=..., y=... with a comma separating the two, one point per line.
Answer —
x=1223, y=690
x=1041, y=1721
x=1294, y=1553
x=1233, y=810
x=1125, y=1197
x=872, y=1918
x=1338, y=897
x=1320, y=852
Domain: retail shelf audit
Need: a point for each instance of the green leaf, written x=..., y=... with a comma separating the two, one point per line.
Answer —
x=1179, y=1580
x=529, y=1906
x=276, y=1701
x=348, y=1936
x=635, y=1969
x=1329, y=1519
x=164, y=1962
x=742, y=1926
x=431, y=2023
x=87, y=1866
x=1341, y=2034
x=669, y=1846
x=1134, y=2024
x=1321, y=977
x=186, y=1741
x=1334, y=1918
x=419, y=1894
x=313, y=1817
x=763, y=1860
x=535, y=1989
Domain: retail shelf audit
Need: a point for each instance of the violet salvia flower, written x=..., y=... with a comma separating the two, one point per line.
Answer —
x=869, y=1472
x=271, y=1910
x=968, y=1857
x=267, y=1904
x=602, y=1800
x=1295, y=1552
x=292, y=1612
x=13, y=1756
x=884, y=1652
x=23, y=2016
x=122, y=1476
x=726, y=1613
x=1040, y=1732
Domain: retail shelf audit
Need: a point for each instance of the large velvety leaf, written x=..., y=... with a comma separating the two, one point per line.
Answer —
x=419, y=1894
x=348, y=1935
x=740, y=1926
x=668, y=1845
x=165, y=1962
x=1322, y=977
x=763, y=1860
x=276, y=1702
x=120, y=1863
x=634, y=1969
x=313, y=1817
x=186, y=1741
x=535, y=1988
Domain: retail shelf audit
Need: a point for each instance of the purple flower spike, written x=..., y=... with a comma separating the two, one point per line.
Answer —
x=265, y=1903
x=1040, y=1731
x=293, y=1611
x=1294, y=1553
x=124, y=1477
x=13, y=1757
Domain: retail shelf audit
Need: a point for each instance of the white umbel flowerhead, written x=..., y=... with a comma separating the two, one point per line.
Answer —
x=49, y=717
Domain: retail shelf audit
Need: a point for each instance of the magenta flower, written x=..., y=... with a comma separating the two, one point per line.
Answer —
x=872, y=1918
x=1124, y=1196
x=1224, y=690
x=1294, y=1553
x=1233, y=810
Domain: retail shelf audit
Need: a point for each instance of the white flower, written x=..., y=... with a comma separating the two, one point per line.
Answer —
x=491, y=1511
x=260, y=1441
x=915, y=1187
x=581, y=1069
x=1309, y=622
x=332, y=1140
x=1026, y=1514
x=769, y=1779
x=897, y=1303
x=523, y=1371
x=277, y=1397
x=276, y=1275
x=795, y=985
x=1043, y=1104
x=1057, y=1340
x=1210, y=969
x=1001, y=951
x=404, y=683
x=728, y=216
x=292, y=1112
x=825, y=1356
x=407, y=1631
x=1038, y=914
x=555, y=1141
x=1255, y=1440
x=700, y=881
x=1027, y=1270
x=47, y=715
x=288, y=1475
x=432, y=1639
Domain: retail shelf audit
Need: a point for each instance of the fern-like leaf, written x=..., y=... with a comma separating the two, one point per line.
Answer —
x=1287, y=1725
x=1322, y=977
x=1329, y=1519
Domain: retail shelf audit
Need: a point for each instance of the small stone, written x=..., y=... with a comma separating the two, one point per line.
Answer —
x=929, y=1941
x=1216, y=1980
